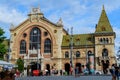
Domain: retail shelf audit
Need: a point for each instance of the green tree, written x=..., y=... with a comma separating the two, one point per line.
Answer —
x=20, y=64
x=3, y=50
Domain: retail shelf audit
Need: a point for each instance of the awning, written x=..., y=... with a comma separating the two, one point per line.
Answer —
x=4, y=63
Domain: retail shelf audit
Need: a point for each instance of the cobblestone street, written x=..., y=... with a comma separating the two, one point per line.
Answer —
x=66, y=78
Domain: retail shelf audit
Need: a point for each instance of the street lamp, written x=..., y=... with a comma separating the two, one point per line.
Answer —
x=71, y=48
x=38, y=55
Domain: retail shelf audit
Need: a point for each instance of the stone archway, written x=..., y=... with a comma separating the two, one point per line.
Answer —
x=35, y=66
x=67, y=68
x=48, y=68
x=79, y=67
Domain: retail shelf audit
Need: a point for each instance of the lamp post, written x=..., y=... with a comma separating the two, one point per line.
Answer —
x=9, y=50
x=38, y=55
x=71, y=49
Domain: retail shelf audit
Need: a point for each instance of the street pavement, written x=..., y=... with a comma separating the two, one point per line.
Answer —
x=92, y=77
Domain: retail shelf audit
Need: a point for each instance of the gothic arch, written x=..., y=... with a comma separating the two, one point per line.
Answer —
x=67, y=67
x=30, y=26
x=104, y=52
x=35, y=38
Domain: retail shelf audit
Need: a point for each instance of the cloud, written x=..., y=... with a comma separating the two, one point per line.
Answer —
x=11, y=15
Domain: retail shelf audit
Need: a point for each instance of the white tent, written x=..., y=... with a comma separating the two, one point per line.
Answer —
x=6, y=64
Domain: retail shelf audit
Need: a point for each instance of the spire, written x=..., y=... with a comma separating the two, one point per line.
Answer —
x=103, y=23
x=103, y=7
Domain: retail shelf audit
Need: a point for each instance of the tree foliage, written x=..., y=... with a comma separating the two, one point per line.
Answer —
x=20, y=64
x=3, y=50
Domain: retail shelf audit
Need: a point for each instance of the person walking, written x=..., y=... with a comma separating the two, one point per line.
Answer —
x=112, y=71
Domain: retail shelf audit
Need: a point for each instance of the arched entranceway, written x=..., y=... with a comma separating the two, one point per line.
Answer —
x=48, y=68
x=105, y=66
x=79, y=67
x=35, y=66
x=67, y=68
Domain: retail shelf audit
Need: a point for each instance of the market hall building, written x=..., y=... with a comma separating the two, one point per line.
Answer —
x=38, y=40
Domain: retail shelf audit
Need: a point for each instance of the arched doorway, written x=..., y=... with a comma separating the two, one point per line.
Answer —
x=105, y=66
x=67, y=68
x=79, y=67
x=48, y=68
x=35, y=66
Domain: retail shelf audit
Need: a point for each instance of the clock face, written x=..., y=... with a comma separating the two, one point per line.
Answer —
x=35, y=31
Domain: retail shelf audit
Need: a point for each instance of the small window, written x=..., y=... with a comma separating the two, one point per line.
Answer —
x=55, y=31
x=107, y=41
x=66, y=54
x=77, y=54
x=103, y=29
x=104, y=52
x=24, y=35
x=45, y=33
x=101, y=40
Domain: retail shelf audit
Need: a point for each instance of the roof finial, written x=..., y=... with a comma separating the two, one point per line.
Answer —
x=12, y=26
x=60, y=23
x=39, y=7
x=103, y=7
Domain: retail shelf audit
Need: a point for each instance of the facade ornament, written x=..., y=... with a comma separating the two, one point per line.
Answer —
x=60, y=22
x=35, y=14
x=12, y=26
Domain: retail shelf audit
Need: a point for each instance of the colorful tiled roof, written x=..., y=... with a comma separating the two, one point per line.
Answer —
x=78, y=40
x=103, y=23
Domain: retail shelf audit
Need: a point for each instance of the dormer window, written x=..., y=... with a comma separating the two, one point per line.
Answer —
x=103, y=29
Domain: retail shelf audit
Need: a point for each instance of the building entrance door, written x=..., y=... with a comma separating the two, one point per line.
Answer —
x=67, y=68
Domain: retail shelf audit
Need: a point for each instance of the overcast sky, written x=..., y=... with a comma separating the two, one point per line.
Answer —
x=82, y=15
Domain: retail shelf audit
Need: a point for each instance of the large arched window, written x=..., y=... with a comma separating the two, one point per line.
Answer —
x=89, y=54
x=104, y=52
x=22, y=47
x=47, y=46
x=35, y=38
x=66, y=54
x=77, y=54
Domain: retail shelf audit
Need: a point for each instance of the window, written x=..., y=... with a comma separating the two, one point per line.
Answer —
x=107, y=41
x=105, y=53
x=101, y=40
x=22, y=47
x=103, y=29
x=47, y=46
x=77, y=54
x=89, y=53
x=24, y=35
x=45, y=33
x=35, y=38
x=66, y=54
x=104, y=40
